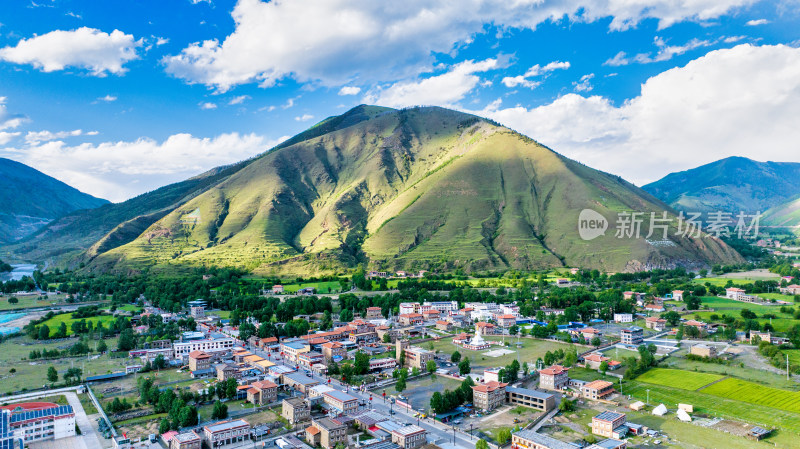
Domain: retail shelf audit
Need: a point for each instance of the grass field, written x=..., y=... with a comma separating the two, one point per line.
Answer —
x=55, y=322
x=752, y=393
x=677, y=361
x=530, y=351
x=26, y=302
x=322, y=287
x=733, y=308
x=685, y=380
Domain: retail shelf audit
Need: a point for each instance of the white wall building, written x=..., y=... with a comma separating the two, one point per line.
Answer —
x=182, y=349
x=623, y=318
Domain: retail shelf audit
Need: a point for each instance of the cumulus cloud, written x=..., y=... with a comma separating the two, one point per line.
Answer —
x=337, y=41
x=304, y=118
x=35, y=137
x=584, y=84
x=120, y=170
x=8, y=120
x=85, y=48
x=444, y=90
x=207, y=105
x=757, y=22
x=535, y=71
x=6, y=136
x=665, y=52
x=739, y=101
x=239, y=99
x=349, y=90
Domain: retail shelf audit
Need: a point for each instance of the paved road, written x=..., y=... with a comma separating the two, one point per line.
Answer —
x=89, y=436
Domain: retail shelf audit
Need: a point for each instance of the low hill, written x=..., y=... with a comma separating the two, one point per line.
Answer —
x=733, y=184
x=29, y=199
x=422, y=188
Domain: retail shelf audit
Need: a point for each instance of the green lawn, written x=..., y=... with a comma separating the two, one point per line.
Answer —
x=685, y=380
x=530, y=351
x=25, y=302
x=677, y=361
x=753, y=393
x=322, y=287
x=55, y=322
x=733, y=308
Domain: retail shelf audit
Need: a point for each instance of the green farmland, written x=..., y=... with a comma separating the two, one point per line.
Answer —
x=685, y=380
x=753, y=393
x=66, y=318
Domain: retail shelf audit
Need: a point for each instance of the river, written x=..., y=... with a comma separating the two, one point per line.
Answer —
x=19, y=271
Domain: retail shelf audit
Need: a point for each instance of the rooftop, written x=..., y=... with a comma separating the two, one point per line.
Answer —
x=60, y=410
x=408, y=430
x=327, y=424
x=609, y=416
x=528, y=392
x=340, y=396
x=227, y=425
x=598, y=384
x=543, y=440
x=186, y=437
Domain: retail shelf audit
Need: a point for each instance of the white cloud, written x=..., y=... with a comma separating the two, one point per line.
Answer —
x=665, y=52
x=757, y=22
x=733, y=39
x=349, y=90
x=239, y=99
x=619, y=59
x=161, y=41
x=35, y=137
x=85, y=48
x=535, y=71
x=338, y=41
x=584, y=84
x=207, y=106
x=6, y=137
x=8, y=120
x=304, y=118
x=120, y=170
x=443, y=90
x=107, y=98
x=741, y=101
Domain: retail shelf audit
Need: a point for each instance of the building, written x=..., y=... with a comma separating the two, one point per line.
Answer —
x=632, y=336
x=227, y=371
x=182, y=349
x=309, y=359
x=226, y=432
x=491, y=374
x=595, y=359
x=530, y=398
x=295, y=410
x=701, y=326
x=332, y=350
x=623, y=318
x=506, y=321
x=199, y=360
x=7, y=438
x=186, y=440
x=655, y=323
x=32, y=422
x=430, y=315
x=409, y=319
x=737, y=294
x=597, y=389
x=528, y=439
x=793, y=289
x=383, y=363
x=418, y=357
x=326, y=432
x=609, y=425
x=555, y=377
x=704, y=351
x=262, y=392
x=299, y=382
x=373, y=313
x=677, y=295
x=484, y=328
x=656, y=308
x=489, y=396
x=444, y=326
x=590, y=333
x=444, y=307
x=341, y=402
x=292, y=349
x=409, y=437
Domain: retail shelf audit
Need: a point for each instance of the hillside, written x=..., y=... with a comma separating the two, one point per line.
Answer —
x=785, y=214
x=733, y=184
x=29, y=199
x=423, y=188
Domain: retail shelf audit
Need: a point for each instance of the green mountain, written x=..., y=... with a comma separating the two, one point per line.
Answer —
x=733, y=184
x=783, y=215
x=29, y=199
x=422, y=188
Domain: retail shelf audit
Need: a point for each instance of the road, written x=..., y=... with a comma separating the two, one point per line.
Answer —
x=437, y=430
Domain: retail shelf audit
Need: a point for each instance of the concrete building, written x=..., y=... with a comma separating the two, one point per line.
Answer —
x=677, y=295
x=623, y=318
x=373, y=313
x=409, y=319
x=555, y=377
x=491, y=374
x=506, y=321
x=186, y=440
x=489, y=396
x=632, y=336
x=444, y=326
x=609, y=425
x=295, y=410
x=530, y=398
x=409, y=437
x=332, y=350
x=341, y=402
x=528, y=439
x=655, y=323
x=597, y=389
x=199, y=360
x=418, y=357
x=262, y=393
x=444, y=307
x=181, y=350
x=226, y=432
x=299, y=382
x=292, y=349
x=32, y=422
x=326, y=432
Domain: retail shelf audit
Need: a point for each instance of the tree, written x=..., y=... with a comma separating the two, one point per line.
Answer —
x=566, y=405
x=481, y=444
x=220, y=411
x=73, y=375
x=437, y=402
x=231, y=387
x=102, y=346
x=401, y=382
x=456, y=357
x=431, y=366
x=748, y=314
x=525, y=368
x=127, y=340
x=346, y=315
x=513, y=330
x=13, y=300
x=361, y=364
x=163, y=427
x=672, y=317
x=595, y=341
x=387, y=338
x=52, y=374
x=44, y=332
x=604, y=367
x=503, y=435
x=463, y=367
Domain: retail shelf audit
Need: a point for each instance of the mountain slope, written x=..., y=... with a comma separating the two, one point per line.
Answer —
x=786, y=214
x=420, y=188
x=733, y=184
x=29, y=199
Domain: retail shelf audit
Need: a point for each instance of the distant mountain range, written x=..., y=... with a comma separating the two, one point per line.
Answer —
x=733, y=184
x=421, y=188
x=29, y=200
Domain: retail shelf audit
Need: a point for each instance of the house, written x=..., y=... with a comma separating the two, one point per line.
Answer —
x=295, y=410
x=382, y=363
x=291, y=349
x=589, y=333
x=489, y=396
x=492, y=374
x=199, y=360
x=299, y=382
x=186, y=440
x=409, y=319
x=623, y=317
x=33, y=422
x=656, y=308
x=528, y=439
x=506, y=321
x=595, y=359
x=326, y=432
x=484, y=328
x=418, y=357
x=655, y=323
x=309, y=359
x=262, y=393
x=704, y=351
x=409, y=437
x=756, y=336
x=555, y=377
x=609, y=425
x=277, y=289
x=737, y=294
x=227, y=371
x=373, y=313
x=677, y=295
x=444, y=326
x=226, y=432
x=332, y=350
x=793, y=289
x=430, y=315
x=530, y=398
x=609, y=443
x=701, y=326
x=597, y=389
x=632, y=336
x=341, y=402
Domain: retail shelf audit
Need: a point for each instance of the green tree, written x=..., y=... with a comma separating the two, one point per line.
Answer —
x=456, y=357
x=503, y=435
x=604, y=367
x=463, y=367
x=361, y=364
x=102, y=346
x=431, y=366
x=52, y=374
x=595, y=341
x=437, y=402
x=401, y=381
x=387, y=338
x=127, y=340
x=346, y=315
x=220, y=411
x=481, y=444
x=163, y=427
x=44, y=332
x=672, y=317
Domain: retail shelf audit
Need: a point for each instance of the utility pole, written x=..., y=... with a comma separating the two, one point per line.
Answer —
x=787, y=366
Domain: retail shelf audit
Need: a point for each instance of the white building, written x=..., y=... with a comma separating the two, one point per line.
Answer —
x=623, y=318
x=409, y=307
x=444, y=307
x=182, y=349
x=39, y=424
x=483, y=311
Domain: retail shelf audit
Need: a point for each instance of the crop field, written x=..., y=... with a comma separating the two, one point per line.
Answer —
x=685, y=380
x=781, y=323
x=753, y=393
x=55, y=322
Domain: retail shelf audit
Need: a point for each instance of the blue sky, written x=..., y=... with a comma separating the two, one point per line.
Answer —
x=118, y=98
